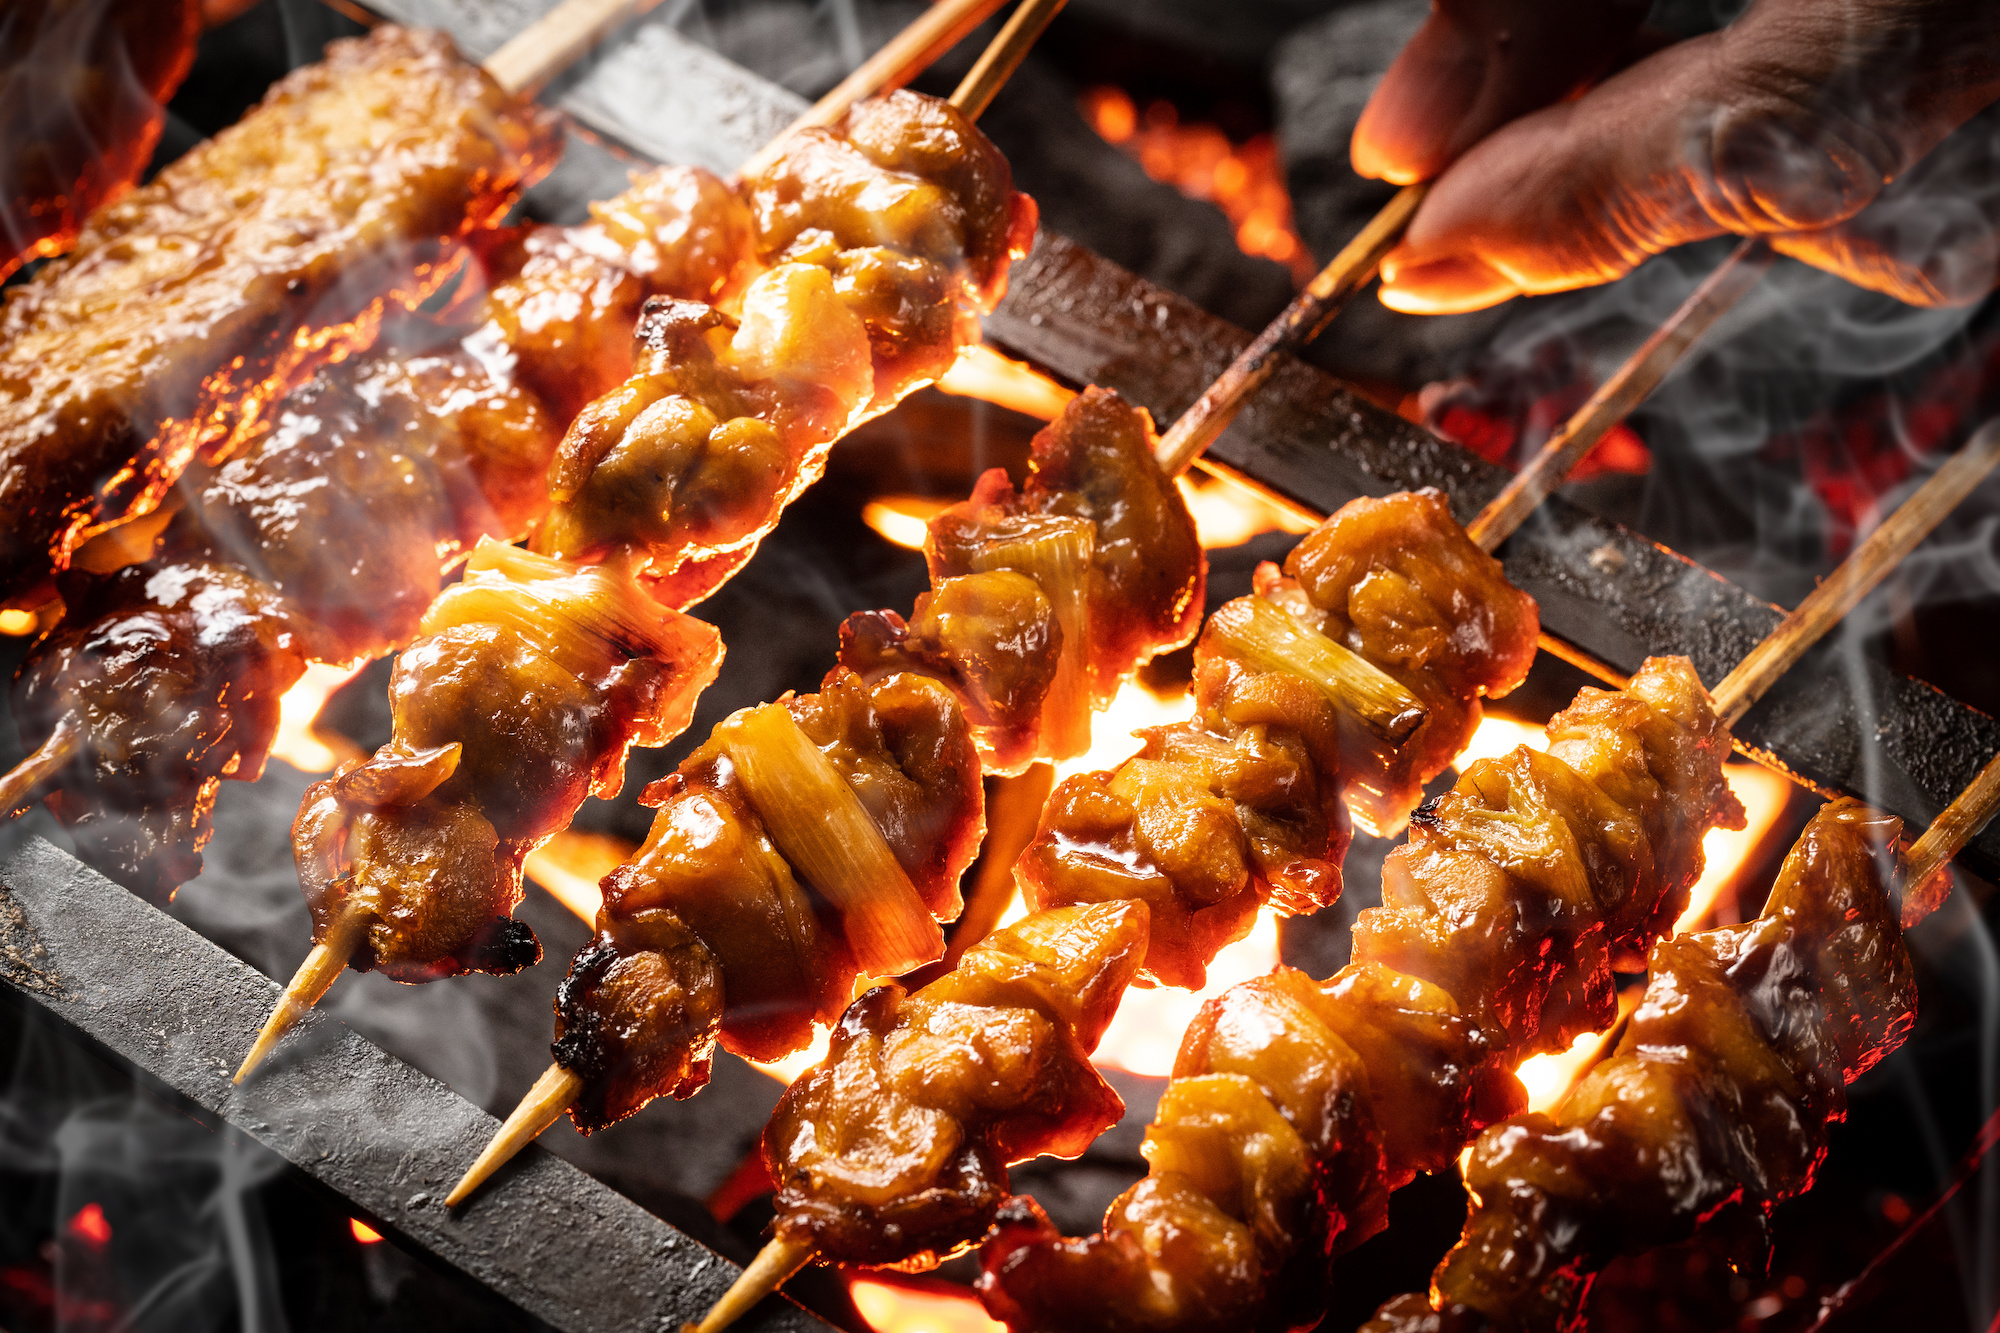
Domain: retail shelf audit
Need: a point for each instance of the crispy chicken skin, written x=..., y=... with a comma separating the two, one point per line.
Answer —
x=83, y=92
x=778, y=946
x=1717, y=1102
x=895, y=1149
x=992, y=633
x=192, y=303
x=878, y=244
x=524, y=690
x=1296, y=1105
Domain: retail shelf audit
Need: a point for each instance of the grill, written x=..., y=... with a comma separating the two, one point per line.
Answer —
x=380, y=1141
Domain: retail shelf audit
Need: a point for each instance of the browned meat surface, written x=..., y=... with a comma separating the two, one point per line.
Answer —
x=191, y=304
x=527, y=685
x=895, y=1149
x=1296, y=1105
x=1044, y=600
x=168, y=675
x=775, y=916
x=881, y=242
x=1147, y=574
x=1718, y=1099
x=83, y=91
x=1216, y=816
x=1399, y=582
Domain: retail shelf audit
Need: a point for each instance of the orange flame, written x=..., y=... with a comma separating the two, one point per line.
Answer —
x=362, y=1232
x=919, y=1305
x=1244, y=180
x=982, y=373
x=15, y=622
x=570, y=864
x=1229, y=515
x=902, y=519
x=299, y=742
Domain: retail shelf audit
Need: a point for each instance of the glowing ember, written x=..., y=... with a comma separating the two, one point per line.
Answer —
x=1763, y=794
x=570, y=864
x=1244, y=180
x=299, y=743
x=1226, y=515
x=89, y=1224
x=15, y=622
x=982, y=373
x=362, y=1232
x=914, y=1305
x=902, y=518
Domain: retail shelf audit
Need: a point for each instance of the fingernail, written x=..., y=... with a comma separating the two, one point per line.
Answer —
x=1445, y=287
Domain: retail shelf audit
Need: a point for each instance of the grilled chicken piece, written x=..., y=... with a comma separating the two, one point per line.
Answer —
x=199, y=299
x=895, y=1149
x=83, y=92
x=527, y=685
x=783, y=921
x=1399, y=582
x=1718, y=1100
x=1296, y=1105
x=1044, y=600
x=339, y=521
x=881, y=242
x=168, y=676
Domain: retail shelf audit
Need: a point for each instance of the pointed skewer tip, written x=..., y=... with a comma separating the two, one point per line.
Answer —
x=774, y=1264
x=322, y=966
x=554, y=1092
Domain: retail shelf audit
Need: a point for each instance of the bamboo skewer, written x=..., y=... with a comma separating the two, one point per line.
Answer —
x=1924, y=886
x=1861, y=571
x=557, y=1088
x=908, y=54
x=1626, y=389
x=323, y=964
x=997, y=63
x=557, y=40
x=776, y=1262
x=552, y=1094
x=17, y=786
x=1857, y=575
x=1302, y=321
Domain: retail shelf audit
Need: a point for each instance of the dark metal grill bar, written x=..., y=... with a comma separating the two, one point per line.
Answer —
x=158, y=999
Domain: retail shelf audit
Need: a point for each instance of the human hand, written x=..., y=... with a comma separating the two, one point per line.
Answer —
x=1811, y=122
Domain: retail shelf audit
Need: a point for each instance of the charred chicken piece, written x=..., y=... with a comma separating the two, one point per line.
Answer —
x=1399, y=582
x=165, y=679
x=1296, y=1106
x=1106, y=539
x=807, y=843
x=895, y=1149
x=528, y=683
x=83, y=92
x=882, y=241
x=269, y=249
x=1717, y=1101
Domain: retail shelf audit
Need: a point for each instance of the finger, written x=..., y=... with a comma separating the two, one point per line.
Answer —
x=1787, y=122
x=1474, y=66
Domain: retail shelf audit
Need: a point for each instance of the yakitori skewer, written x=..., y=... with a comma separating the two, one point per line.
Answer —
x=1043, y=601
x=315, y=541
x=1274, y=632
x=1732, y=1070
x=1508, y=908
x=269, y=250
x=799, y=363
